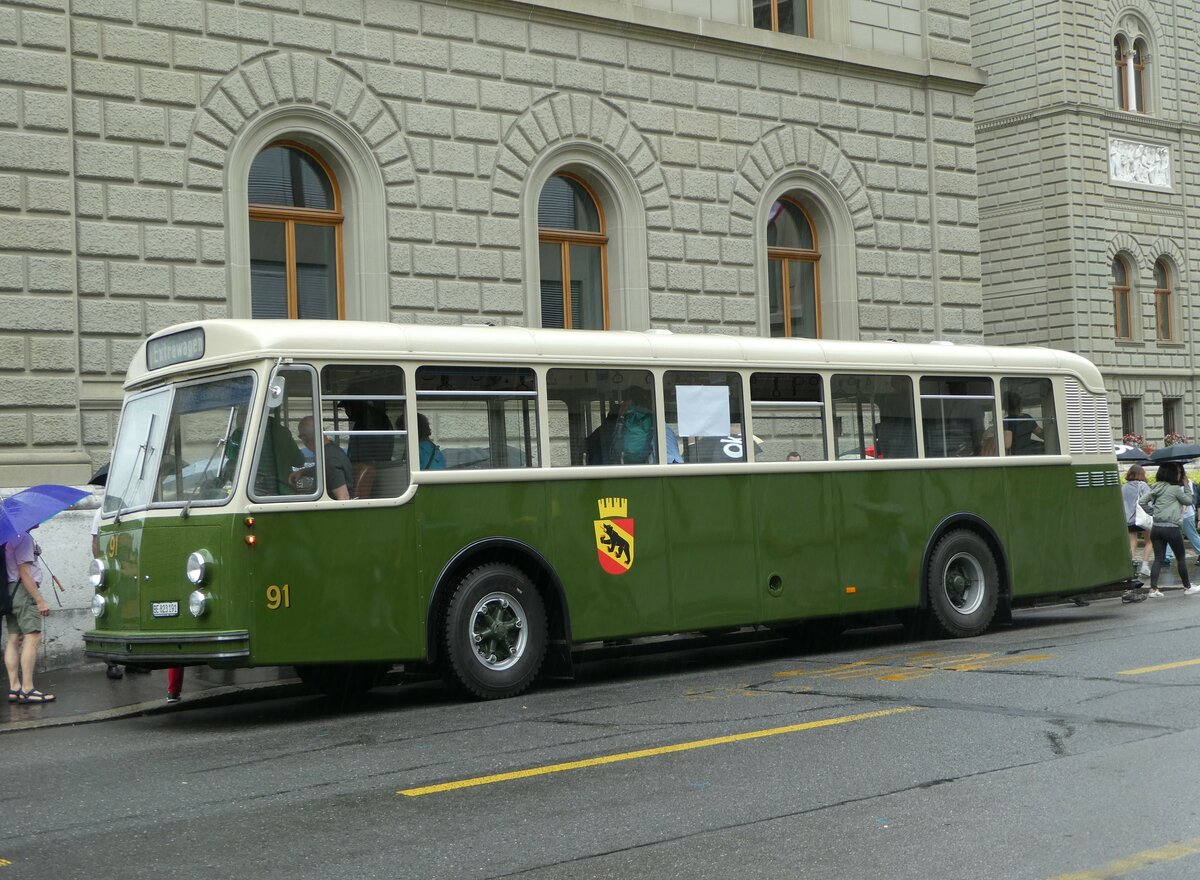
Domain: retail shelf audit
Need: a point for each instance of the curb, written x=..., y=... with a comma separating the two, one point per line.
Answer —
x=230, y=694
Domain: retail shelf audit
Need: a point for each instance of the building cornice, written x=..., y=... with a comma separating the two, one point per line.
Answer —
x=624, y=19
x=1128, y=121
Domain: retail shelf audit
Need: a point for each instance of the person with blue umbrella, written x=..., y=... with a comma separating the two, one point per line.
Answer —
x=20, y=514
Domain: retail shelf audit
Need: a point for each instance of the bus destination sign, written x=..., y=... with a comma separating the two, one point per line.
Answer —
x=186, y=345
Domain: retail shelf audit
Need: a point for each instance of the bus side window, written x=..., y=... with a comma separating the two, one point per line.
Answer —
x=789, y=416
x=363, y=412
x=958, y=416
x=479, y=417
x=1030, y=424
x=873, y=416
x=704, y=417
x=601, y=417
x=281, y=461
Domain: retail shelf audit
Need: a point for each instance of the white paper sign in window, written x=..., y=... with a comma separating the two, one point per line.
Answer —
x=703, y=410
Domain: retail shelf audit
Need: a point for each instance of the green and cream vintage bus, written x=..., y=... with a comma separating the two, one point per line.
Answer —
x=346, y=496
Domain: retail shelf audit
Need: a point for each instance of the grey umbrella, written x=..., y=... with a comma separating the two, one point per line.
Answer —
x=1132, y=454
x=1177, y=452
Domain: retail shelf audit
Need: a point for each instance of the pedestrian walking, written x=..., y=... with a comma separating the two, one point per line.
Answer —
x=1166, y=501
x=1131, y=492
x=25, y=621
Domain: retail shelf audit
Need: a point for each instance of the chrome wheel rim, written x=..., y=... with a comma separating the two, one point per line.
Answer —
x=498, y=630
x=963, y=583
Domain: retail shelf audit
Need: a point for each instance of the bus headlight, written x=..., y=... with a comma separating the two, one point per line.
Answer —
x=199, y=564
x=99, y=606
x=98, y=575
x=198, y=603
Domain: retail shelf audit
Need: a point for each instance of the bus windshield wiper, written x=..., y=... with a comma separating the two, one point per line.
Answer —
x=218, y=449
x=144, y=454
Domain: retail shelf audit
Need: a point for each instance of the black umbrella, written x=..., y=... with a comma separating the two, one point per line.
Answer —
x=1132, y=454
x=100, y=478
x=1176, y=452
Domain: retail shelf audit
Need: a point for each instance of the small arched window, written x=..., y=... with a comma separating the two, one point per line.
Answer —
x=1121, y=299
x=1162, y=301
x=295, y=235
x=572, y=251
x=1130, y=59
x=793, y=271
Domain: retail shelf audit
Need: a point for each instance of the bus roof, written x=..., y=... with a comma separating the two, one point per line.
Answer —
x=234, y=341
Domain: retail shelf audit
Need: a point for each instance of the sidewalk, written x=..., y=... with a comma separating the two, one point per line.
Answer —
x=85, y=694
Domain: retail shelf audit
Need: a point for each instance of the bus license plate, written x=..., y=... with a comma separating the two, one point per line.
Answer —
x=164, y=609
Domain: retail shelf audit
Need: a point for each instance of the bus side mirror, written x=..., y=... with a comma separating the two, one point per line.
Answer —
x=275, y=393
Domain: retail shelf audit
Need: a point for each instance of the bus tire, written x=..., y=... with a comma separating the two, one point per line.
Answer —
x=962, y=584
x=494, y=633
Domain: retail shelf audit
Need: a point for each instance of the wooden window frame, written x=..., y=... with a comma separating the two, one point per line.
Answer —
x=564, y=238
x=289, y=217
x=808, y=16
x=1125, y=51
x=1129, y=415
x=784, y=256
x=1121, y=51
x=1121, y=302
x=1162, y=305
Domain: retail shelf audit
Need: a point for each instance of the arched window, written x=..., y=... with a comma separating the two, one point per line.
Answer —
x=784, y=16
x=1130, y=57
x=572, y=251
x=295, y=235
x=793, y=271
x=1162, y=301
x=1121, y=299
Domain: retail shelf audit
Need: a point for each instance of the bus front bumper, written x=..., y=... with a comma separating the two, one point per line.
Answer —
x=183, y=647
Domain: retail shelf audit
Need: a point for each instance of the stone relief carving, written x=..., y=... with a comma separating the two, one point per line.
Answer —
x=1145, y=164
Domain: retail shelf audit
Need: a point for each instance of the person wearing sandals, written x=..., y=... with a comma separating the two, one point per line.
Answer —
x=29, y=607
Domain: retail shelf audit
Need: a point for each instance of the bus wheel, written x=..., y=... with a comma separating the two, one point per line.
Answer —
x=494, y=636
x=343, y=682
x=962, y=584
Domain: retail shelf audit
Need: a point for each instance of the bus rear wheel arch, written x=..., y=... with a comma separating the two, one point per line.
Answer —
x=962, y=584
x=493, y=632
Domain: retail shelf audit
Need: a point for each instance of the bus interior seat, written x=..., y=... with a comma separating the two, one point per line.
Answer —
x=364, y=480
x=391, y=479
x=895, y=438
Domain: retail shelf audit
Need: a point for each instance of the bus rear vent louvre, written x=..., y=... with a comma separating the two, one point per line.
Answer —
x=1088, y=427
x=1084, y=479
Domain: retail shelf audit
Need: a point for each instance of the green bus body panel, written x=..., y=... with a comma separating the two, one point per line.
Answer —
x=350, y=588
x=705, y=550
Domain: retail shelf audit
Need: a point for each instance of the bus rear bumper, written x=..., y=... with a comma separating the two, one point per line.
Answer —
x=183, y=647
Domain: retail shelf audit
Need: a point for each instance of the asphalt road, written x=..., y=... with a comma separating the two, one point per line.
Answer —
x=1049, y=749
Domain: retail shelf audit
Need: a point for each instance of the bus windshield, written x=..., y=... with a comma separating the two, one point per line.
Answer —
x=180, y=445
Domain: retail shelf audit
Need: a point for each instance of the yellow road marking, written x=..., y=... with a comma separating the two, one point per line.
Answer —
x=1172, y=852
x=1176, y=665
x=908, y=667
x=648, y=753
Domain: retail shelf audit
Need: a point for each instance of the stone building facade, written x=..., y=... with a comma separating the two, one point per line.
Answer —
x=128, y=129
x=1089, y=137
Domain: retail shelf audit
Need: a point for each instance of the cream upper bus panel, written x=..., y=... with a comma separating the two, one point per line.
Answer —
x=235, y=341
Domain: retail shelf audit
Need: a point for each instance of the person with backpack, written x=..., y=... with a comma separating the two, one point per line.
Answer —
x=24, y=619
x=635, y=426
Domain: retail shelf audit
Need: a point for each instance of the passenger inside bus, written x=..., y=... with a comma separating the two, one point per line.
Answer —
x=429, y=453
x=339, y=474
x=1022, y=433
